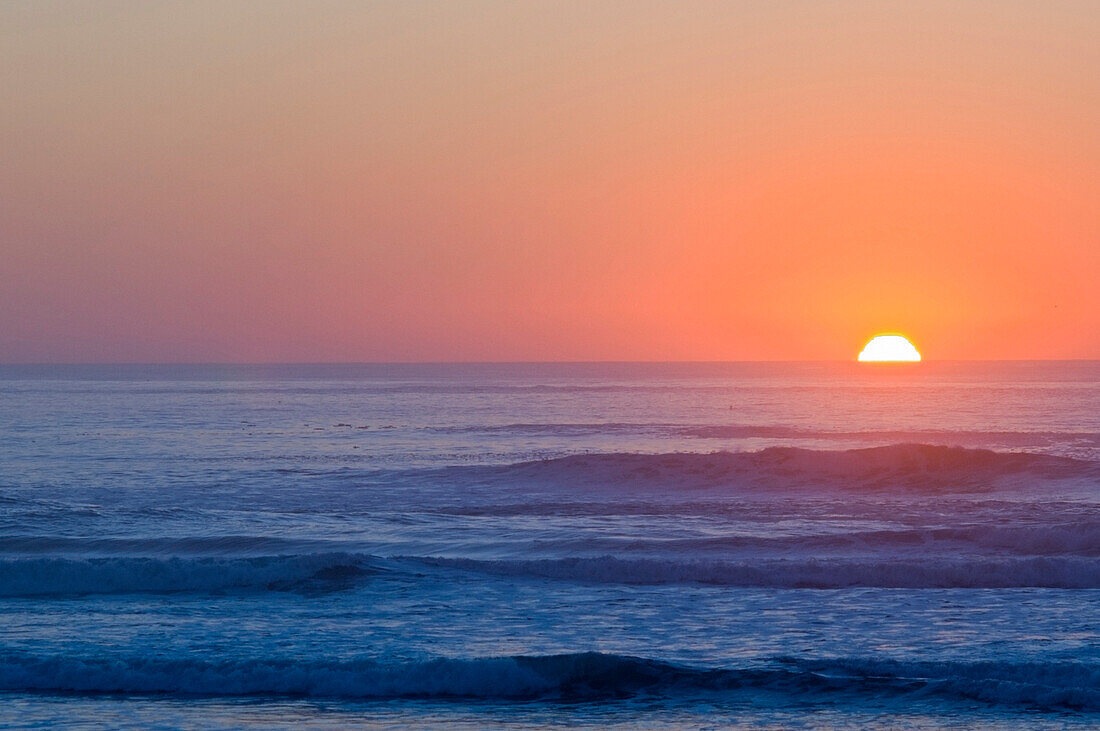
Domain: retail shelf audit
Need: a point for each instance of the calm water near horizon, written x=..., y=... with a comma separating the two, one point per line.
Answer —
x=772, y=544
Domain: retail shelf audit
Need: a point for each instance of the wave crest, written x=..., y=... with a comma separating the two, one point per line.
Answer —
x=899, y=465
x=838, y=573
x=576, y=676
x=137, y=575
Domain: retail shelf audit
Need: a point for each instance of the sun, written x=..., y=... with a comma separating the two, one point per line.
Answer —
x=887, y=349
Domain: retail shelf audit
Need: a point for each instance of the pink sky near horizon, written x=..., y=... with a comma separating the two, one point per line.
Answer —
x=403, y=181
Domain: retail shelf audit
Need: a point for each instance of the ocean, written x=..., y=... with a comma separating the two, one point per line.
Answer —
x=536, y=545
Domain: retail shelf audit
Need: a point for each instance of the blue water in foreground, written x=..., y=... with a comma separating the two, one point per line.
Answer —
x=539, y=545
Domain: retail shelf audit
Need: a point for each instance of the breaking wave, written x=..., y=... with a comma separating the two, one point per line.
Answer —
x=957, y=438
x=1067, y=539
x=803, y=573
x=140, y=575
x=1022, y=550
x=322, y=573
x=899, y=465
x=579, y=676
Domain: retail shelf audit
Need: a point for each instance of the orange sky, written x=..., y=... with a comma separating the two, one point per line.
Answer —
x=265, y=181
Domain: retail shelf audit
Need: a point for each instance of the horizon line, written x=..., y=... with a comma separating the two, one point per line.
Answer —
x=534, y=362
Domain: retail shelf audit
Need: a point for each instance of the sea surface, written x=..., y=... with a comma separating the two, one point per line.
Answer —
x=756, y=544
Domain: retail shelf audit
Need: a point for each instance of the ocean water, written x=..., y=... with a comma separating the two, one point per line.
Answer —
x=773, y=545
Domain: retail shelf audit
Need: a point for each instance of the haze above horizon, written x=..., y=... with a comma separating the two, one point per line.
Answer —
x=274, y=182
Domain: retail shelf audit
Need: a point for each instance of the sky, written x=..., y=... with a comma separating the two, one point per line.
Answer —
x=431, y=181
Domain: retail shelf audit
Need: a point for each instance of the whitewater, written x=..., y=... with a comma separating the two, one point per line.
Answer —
x=707, y=544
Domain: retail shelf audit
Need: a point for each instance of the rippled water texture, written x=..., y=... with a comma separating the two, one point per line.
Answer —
x=536, y=545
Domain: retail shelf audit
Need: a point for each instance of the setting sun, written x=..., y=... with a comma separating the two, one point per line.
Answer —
x=889, y=348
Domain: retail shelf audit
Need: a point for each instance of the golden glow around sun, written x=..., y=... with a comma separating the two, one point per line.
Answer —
x=887, y=349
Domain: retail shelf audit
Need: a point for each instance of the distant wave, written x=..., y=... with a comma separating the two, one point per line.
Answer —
x=965, y=438
x=53, y=576
x=1029, y=439
x=1080, y=538
x=932, y=572
x=579, y=676
x=898, y=465
x=321, y=573
x=238, y=545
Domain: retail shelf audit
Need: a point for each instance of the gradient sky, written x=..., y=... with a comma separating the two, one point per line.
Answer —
x=317, y=181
